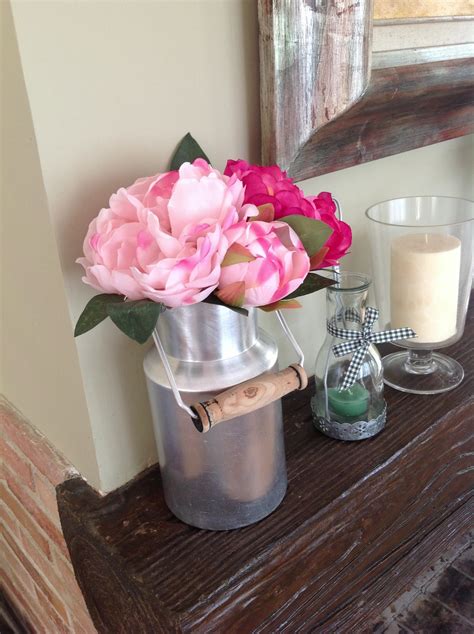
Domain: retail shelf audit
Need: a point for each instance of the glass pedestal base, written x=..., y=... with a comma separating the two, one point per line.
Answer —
x=421, y=372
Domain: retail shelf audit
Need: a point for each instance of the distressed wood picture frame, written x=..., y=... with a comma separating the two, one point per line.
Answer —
x=328, y=103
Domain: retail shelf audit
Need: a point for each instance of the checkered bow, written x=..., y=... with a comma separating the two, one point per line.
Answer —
x=359, y=342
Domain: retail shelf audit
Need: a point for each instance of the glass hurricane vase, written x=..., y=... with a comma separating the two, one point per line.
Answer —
x=422, y=270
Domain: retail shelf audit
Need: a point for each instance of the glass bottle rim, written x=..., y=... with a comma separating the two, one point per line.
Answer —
x=360, y=282
x=419, y=225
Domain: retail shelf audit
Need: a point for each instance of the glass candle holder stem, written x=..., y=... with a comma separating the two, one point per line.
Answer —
x=421, y=371
x=420, y=362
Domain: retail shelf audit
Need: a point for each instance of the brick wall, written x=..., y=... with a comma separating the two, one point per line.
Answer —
x=36, y=573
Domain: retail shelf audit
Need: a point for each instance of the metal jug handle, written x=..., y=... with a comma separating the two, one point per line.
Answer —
x=170, y=375
x=245, y=397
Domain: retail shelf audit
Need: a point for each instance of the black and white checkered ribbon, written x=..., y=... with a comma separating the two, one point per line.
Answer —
x=360, y=341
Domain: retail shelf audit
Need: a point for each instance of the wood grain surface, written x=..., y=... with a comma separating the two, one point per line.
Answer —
x=404, y=107
x=249, y=396
x=359, y=522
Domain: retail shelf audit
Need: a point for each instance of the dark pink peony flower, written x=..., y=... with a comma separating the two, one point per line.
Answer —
x=270, y=186
x=340, y=240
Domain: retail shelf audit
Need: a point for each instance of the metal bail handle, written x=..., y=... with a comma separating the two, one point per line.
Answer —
x=243, y=398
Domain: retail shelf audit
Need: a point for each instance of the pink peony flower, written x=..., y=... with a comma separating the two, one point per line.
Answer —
x=266, y=262
x=269, y=186
x=115, y=242
x=163, y=238
x=187, y=270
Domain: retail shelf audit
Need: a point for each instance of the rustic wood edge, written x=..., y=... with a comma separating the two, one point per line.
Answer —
x=405, y=569
x=117, y=600
x=403, y=108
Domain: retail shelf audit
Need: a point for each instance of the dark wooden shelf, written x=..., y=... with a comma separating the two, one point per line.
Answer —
x=359, y=522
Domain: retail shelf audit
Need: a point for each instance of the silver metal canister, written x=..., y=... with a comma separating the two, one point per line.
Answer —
x=235, y=474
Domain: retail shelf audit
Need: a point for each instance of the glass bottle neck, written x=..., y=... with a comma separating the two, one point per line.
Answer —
x=346, y=309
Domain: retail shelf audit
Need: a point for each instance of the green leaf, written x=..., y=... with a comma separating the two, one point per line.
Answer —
x=213, y=299
x=95, y=312
x=317, y=259
x=136, y=319
x=266, y=213
x=187, y=151
x=280, y=305
x=233, y=294
x=312, y=233
x=237, y=254
x=311, y=284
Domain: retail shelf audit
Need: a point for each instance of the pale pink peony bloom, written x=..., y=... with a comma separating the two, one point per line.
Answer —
x=188, y=269
x=202, y=195
x=163, y=238
x=114, y=244
x=271, y=263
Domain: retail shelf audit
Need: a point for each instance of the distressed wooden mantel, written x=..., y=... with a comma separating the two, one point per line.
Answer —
x=323, y=108
x=359, y=522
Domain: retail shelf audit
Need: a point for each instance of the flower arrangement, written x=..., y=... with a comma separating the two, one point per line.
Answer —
x=245, y=237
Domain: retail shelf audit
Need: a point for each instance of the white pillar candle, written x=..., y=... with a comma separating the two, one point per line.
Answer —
x=424, y=285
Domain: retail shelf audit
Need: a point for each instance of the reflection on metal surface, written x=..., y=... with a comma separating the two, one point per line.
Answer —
x=235, y=474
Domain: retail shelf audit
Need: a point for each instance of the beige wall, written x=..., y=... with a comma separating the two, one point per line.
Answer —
x=112, y=87
x=39, y=362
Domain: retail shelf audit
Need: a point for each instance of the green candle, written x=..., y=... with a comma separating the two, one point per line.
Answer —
x=351, y=402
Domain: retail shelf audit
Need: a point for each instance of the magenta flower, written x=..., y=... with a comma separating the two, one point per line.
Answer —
x=270, y=186
x=340, y=240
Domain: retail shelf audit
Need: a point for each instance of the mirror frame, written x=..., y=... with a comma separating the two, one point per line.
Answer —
x=325, y=106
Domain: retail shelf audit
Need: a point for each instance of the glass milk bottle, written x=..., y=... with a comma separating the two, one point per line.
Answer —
x=357, y=412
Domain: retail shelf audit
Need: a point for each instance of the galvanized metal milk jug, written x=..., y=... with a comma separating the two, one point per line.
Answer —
x=235, y=474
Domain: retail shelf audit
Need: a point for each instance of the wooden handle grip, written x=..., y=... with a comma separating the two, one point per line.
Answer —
x=249, y=396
